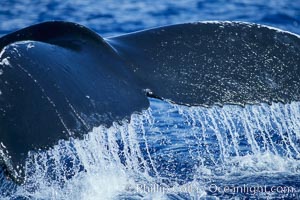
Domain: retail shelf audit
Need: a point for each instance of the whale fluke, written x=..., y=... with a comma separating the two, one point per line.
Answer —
x=59, y=79
x=57, y=87
x=215, y=63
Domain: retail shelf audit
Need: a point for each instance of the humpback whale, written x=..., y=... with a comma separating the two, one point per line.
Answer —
x=58, y=79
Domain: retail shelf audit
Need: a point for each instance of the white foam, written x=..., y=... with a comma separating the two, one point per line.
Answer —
x=108, y=176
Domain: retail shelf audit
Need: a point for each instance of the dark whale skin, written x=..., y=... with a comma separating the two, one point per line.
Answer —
x=59, y=79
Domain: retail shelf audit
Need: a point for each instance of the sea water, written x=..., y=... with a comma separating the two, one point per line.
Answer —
x=168, y=151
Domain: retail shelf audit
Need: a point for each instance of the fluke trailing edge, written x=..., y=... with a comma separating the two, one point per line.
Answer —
x=59, y=79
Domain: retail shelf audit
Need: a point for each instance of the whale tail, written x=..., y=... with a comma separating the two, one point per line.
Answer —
x=59, y=79
x=215, y=63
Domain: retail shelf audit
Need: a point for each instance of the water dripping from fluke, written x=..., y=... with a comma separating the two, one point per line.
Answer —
x=167, y=150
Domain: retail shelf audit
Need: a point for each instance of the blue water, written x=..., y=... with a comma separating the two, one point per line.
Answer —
x=168, y=151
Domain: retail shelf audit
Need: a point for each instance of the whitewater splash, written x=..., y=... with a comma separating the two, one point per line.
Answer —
x=172, y=152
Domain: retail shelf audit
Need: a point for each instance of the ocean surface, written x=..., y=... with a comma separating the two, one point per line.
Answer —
x=169, y=151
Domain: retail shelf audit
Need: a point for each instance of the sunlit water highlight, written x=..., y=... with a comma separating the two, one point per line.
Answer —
x=176, y=148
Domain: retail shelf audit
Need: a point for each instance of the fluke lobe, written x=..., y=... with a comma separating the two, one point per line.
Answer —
x=59, y=79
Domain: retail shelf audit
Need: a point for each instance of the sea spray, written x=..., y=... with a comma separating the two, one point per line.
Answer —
x=186, y=152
